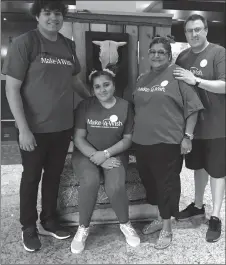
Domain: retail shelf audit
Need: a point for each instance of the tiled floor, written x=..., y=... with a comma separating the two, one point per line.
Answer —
x=106, y=244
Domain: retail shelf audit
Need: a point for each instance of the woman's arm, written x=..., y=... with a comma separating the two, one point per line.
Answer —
x=190, y=123
x=121, y=146
x=186, y=144
x=82, y=144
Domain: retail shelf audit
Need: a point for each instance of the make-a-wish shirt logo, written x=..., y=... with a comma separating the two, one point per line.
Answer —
x=152, y=89
x=49, y=60
x=160, y=87
x=111, y=122
x=196, y=71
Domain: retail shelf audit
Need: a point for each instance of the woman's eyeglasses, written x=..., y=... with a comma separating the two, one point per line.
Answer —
x=159, y=53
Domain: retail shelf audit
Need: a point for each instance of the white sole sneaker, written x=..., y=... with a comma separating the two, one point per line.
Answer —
x=44, y=232
x=133, y=241
x=195, y=217
x=28, y=249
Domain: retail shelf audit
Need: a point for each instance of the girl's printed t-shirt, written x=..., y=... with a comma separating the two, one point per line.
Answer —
x=105, y=127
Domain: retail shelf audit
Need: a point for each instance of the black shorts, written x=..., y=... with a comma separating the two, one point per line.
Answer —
x=208, y=154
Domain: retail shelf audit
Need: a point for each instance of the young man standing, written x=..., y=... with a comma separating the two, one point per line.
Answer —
x=41, y=68
x=203, y=65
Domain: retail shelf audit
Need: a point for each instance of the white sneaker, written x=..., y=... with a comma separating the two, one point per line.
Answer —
x=131, y=235
x=78, y=242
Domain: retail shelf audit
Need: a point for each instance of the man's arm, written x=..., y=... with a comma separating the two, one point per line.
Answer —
x=214, y=86
x=26, y=138
x=80, y=87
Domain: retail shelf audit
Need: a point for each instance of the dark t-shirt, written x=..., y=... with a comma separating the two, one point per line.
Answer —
x=46, y=90
x=162, y=105
x=105, y=127
x=209, y=65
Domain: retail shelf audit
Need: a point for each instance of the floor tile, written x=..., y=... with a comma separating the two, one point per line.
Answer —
x=147, y=254
x=14, y=253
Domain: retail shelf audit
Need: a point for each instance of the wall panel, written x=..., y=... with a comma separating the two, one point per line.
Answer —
x=132, y=60
x=145, y=37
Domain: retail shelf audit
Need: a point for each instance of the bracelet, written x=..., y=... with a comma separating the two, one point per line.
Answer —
x=188, y=136
x=107, y=153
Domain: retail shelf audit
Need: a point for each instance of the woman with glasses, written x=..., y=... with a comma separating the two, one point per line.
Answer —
x=165, y=116
x=41, y=68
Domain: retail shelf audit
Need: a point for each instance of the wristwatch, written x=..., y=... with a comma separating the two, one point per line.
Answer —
x=198, y=81
x=107, y=153
x=189, y=136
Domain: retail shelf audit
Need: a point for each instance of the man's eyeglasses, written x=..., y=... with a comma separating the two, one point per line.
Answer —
x=159, y=53
x=196, y=30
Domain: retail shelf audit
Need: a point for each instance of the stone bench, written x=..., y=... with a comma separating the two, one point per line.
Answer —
x=67, y=207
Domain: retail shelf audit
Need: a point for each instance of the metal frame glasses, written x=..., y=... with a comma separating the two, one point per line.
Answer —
x=160, y=53
x=196, y=30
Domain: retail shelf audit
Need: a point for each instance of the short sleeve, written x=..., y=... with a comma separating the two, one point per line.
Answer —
x=128, y=127
x=77, y=68
x=80, y=115
x=219, y=64
x=191, y=100
x=17, y=62
x=177, y=60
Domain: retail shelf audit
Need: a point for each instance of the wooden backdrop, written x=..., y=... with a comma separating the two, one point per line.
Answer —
x=141, y=27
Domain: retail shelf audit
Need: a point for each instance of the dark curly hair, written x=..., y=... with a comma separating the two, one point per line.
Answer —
x=38, y=5
x=165, y=41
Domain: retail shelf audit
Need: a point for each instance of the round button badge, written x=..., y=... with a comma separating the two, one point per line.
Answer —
x=113, y=118
x=203, y=63
x=164, y=83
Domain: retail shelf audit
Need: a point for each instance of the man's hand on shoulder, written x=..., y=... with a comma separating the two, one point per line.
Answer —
x=184, y=75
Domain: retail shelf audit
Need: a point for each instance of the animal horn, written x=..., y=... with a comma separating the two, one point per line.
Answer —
x=97, y=42
x=121, y=43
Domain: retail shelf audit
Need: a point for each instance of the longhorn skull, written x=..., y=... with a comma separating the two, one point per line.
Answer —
x=108, y=51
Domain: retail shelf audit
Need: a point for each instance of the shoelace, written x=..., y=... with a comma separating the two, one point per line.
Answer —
x=82, y=231
x=129, y=228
